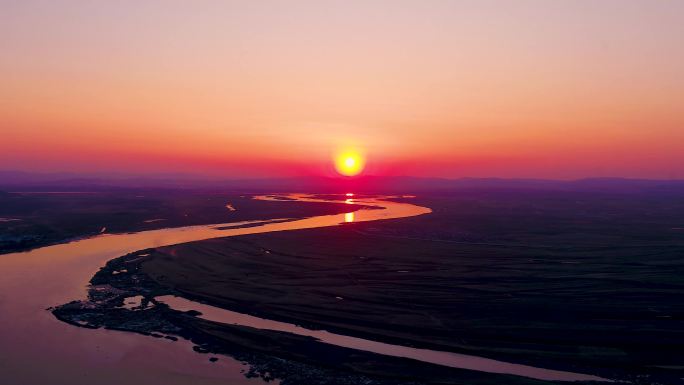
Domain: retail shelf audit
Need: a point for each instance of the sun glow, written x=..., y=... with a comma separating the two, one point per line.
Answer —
x=349, y=163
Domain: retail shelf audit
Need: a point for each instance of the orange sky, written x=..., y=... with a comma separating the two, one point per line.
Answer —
x=427, y=88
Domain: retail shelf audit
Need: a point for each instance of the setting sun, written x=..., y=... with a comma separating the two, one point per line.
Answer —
x=350, y=191
x=349, y=163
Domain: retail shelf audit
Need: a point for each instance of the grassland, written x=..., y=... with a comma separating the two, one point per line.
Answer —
x=588, y=282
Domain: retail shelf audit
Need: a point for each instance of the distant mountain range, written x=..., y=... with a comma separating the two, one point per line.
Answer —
x=26, y=181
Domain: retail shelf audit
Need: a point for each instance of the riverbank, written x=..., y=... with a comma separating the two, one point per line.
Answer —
x=559, y=281
x=31, y=337
x=30, y=220
x=290, y=358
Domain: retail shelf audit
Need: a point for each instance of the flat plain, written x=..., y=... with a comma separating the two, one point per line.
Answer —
x=580, y=281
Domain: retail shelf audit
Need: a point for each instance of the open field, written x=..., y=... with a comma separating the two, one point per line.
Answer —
x=588, y=282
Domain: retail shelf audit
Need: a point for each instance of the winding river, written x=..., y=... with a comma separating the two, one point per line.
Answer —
x=36, y=348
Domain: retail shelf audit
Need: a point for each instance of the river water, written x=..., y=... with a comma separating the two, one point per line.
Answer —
x=36, y=348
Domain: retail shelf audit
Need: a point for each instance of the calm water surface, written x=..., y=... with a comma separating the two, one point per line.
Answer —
x=36, y=348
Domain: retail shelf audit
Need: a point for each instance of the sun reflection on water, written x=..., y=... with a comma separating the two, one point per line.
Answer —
x=349, y=217
x=349, y=200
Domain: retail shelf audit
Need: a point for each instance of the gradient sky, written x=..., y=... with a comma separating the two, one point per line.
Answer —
x=546, y=89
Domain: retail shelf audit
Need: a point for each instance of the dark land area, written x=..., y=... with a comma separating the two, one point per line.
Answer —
x=581, y=281
x=29, y=181
x=292, y=359
x=36, y=219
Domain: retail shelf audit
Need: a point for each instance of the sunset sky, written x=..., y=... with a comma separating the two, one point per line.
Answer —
x=544, y=89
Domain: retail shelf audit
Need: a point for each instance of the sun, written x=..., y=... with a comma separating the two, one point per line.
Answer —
x=349, y=163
